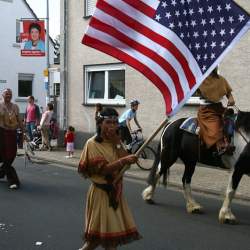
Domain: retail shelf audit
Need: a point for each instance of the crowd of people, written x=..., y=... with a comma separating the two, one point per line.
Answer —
x=11, y=122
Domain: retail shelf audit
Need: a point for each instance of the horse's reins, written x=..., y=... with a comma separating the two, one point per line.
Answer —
x=239, y=131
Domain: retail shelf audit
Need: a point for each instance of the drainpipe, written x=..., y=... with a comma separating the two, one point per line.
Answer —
x=64, y=68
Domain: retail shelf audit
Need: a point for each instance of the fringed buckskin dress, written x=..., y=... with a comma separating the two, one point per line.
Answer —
x=108, y=219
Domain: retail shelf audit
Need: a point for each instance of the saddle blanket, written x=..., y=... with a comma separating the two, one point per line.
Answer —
x=191, y=125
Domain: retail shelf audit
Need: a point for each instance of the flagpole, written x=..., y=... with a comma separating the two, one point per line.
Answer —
x=126, y=167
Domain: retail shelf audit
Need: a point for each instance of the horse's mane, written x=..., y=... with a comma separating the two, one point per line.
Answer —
x=243, y=121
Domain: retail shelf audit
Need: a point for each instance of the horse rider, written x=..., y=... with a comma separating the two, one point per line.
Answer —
x=211, y=111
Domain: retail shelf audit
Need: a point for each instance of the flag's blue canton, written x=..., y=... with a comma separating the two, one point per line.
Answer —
x=206, y=27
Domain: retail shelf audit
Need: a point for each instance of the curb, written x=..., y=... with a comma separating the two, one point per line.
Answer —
x=170, y=184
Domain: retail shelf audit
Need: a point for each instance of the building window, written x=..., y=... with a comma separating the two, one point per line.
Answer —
x=25, y=85
x=105, y=84
x=56, y=89
x=89, y=7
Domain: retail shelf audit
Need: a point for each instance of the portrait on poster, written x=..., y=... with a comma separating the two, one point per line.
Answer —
x=32, y=38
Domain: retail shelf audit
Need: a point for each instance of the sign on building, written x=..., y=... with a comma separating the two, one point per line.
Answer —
x=32, y=38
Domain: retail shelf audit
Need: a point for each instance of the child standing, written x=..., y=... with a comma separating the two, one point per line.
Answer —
x=69, y=140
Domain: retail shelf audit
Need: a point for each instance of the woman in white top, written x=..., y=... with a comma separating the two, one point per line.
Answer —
x=45, y=126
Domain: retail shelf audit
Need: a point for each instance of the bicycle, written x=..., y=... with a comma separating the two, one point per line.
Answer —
x=147, y=156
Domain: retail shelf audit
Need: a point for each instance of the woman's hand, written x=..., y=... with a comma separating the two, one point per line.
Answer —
x=129, y=159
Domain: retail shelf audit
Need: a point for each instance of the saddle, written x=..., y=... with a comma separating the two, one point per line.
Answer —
x=190, y=125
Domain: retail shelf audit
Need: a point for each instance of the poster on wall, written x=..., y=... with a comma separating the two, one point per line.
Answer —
x=32, y=38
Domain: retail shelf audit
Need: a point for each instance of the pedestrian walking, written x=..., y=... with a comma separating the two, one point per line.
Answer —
x=32, y=116
x=69, y=141
x=108, y=220
x=45, y=126
x=9, y=122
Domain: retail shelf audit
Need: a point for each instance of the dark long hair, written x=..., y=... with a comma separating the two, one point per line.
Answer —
x=106, y=112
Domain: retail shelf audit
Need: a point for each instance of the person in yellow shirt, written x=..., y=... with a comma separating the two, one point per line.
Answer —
x=210, y=113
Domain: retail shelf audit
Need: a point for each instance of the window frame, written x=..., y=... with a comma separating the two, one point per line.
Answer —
x=18, y=31
x=88, y=12
x=106, y=68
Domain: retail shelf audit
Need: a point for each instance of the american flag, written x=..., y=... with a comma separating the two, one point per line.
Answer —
x=174, y=43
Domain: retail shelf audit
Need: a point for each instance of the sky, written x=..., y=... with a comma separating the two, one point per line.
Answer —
x=39, y=7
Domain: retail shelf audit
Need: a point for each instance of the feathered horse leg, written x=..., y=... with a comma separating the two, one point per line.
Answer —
x=154, y=176
x=226, y=215
x=191, y=205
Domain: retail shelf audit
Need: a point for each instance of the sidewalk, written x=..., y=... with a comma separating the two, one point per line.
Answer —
x=206, y=179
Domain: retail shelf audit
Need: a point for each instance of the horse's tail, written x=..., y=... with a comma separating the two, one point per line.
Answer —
x=158, y=155
x=158, y=171
x=153, y=172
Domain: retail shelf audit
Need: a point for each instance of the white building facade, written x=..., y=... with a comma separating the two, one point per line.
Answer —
x=90, y=76
x=24, y=75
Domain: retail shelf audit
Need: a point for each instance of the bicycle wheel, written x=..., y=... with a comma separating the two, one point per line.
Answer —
x=146, y=158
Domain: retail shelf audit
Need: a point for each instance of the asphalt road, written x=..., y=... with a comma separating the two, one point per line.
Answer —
x=48, y=210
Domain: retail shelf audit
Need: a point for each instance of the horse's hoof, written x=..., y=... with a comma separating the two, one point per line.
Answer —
x=228, y=221
x=150, y=201
x=195, y=209
x=227, y=218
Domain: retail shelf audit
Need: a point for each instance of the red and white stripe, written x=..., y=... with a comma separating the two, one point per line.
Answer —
x=125, y=29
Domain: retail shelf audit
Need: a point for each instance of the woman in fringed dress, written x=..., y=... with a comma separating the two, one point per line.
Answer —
x=108, y=220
